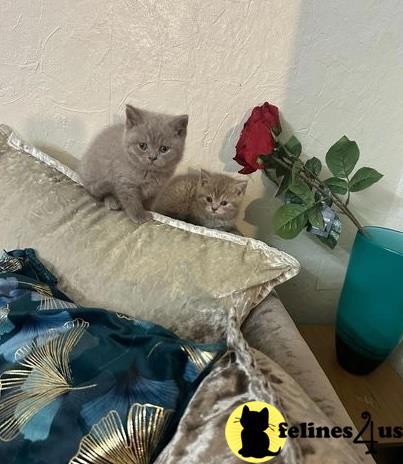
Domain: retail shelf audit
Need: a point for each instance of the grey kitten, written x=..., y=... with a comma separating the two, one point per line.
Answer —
x=128, y=164
x=210, y=200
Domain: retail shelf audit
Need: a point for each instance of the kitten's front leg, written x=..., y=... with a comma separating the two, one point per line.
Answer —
x=112, y=203
x=131, y=200
x=97, y=189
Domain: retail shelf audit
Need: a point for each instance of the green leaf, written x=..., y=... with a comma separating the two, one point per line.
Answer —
x=285, y=183
x=267, y=161
x=289, y=220
x=281, y=170
x=315, y=217
x=364, y=178
x=342, y=157
x=314, y=166
x=302, y=190
x=290, y=197
x=337, y=185
x=279, y=150
x=262, y=159
x=294, y=146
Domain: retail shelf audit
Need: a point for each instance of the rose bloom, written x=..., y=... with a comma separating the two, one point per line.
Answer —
x=256, y=138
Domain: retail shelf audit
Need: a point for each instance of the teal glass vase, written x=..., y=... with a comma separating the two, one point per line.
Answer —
x=370, y=312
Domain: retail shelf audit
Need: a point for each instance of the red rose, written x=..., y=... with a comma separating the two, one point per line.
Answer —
x=256, y=138
x=271, y=116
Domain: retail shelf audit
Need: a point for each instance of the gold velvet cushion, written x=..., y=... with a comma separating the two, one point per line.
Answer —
x=200, y=436
x=181, y=276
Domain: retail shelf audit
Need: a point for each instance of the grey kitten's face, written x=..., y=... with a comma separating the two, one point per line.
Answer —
x=219, y=196
x=155, y=141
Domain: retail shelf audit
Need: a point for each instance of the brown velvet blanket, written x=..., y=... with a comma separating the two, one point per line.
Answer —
x=244, y=375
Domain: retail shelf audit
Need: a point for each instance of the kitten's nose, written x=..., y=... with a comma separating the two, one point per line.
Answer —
x=153, y=157
x=214, y=208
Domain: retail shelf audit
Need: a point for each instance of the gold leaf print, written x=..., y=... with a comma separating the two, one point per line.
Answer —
x=9, y=264
x=40, y=288
x=6, y=325
x=199, y=358
x=4, y=314
x=125, y=316
x=44, y=375
x=50, y=304
x=110, y=443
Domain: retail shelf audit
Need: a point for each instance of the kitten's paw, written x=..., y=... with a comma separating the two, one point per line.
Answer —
x=112, y=203
x=141, y=218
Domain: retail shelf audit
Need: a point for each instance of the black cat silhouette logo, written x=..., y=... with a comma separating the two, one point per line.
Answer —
x=255, y=441
x=252, y=432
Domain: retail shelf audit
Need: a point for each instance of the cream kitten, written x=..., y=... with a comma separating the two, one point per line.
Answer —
x=128, y=164
x=210, y=200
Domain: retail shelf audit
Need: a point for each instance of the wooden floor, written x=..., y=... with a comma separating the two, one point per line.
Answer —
x=380, y=393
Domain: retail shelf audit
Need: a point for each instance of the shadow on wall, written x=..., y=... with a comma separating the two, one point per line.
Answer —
x=341, y=79
x=56, y=129
x=227, y=151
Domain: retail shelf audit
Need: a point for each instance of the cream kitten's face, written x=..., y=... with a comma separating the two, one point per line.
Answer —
x=219, y=196
x=154, y=141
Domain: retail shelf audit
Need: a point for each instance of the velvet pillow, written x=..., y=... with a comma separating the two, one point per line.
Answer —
x=200, y=436
x=181, y=276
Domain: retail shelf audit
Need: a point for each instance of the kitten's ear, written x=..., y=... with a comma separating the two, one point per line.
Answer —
x=264, y=414
x=240, y=186
x=134, y=116
x=180, y=124
x=204, y=177
x=245, y=410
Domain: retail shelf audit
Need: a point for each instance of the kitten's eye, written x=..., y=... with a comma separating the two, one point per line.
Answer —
x=209, y=199
x=143, y=146
x=224, y=203
x=163, y=149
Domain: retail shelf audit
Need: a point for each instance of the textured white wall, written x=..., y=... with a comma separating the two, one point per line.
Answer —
x=68, y=68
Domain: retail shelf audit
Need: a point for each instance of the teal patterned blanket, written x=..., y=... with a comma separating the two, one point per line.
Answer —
x=84, y=385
